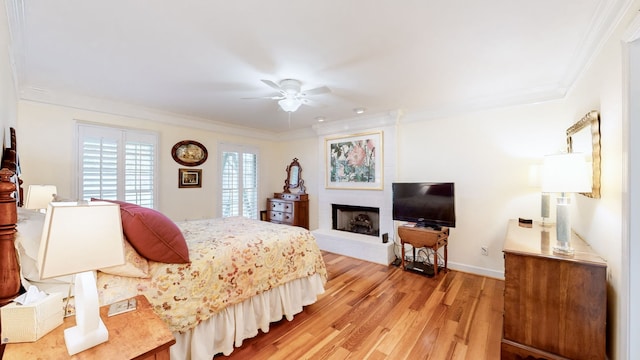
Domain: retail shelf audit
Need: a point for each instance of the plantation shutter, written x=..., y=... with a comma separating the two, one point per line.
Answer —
x=249, y=186
x=139, y=173
x=239, y=181
x=116, y=164
x=230, y=184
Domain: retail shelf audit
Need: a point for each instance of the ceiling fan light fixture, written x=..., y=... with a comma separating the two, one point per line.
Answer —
x=359, y=110
x=289, y=104
x=290, y=86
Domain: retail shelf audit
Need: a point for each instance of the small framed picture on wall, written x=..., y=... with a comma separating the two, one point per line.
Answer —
x=189, y=178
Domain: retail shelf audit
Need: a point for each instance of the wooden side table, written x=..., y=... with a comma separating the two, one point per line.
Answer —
x=419, y=237
x=138, y=334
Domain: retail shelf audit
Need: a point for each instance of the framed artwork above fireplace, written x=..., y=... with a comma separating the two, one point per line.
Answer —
x=354, y=161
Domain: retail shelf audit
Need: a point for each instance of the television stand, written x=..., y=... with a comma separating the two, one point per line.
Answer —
x=422, y=237
x=421, y=223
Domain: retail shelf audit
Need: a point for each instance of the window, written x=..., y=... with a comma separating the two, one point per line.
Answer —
x=116, y=164
x=239, y=181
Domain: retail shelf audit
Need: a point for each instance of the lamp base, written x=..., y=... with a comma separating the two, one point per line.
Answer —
x=563, y=249
x=90, y=330
x=78, y=340
x=563, y=227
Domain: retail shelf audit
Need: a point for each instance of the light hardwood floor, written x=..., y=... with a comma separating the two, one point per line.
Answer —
x=371, y=311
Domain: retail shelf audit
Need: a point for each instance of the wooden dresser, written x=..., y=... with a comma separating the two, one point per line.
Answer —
x=555, y=306
x=289, y=208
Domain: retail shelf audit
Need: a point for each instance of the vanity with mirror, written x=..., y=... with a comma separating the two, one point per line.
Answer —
x=291, y=206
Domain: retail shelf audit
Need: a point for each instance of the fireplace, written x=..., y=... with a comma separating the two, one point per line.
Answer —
x=356, y=219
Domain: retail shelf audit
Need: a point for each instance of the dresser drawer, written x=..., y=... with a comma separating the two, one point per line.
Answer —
x=290, y=196
x=279, y=216
x=284, y=206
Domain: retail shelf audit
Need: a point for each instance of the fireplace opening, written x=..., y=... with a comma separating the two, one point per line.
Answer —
x=356, y=219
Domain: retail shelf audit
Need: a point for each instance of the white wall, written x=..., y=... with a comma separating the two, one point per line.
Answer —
x=601, y=221
x=47, y=133
x=488, y=155
x=8, y=98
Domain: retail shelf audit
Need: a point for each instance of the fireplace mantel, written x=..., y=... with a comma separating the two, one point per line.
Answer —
x=366, y=247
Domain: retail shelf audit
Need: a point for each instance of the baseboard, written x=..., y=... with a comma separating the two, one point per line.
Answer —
x=476, y=270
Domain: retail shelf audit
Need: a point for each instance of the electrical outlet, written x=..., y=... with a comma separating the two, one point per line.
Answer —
x=484, y=250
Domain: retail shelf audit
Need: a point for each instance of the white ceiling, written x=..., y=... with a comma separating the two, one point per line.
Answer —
x=200, y=58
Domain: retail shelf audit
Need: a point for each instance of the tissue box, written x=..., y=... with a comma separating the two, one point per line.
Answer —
x=27, y=323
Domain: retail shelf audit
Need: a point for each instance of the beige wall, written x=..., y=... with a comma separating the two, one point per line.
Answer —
x=306, y=152
x=47, y=133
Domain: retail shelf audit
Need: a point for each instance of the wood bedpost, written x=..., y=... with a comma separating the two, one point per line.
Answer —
x=9, y=265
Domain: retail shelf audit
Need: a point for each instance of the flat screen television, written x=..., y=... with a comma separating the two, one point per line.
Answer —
x=428, y=204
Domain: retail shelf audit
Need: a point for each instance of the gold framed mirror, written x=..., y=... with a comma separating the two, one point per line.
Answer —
x=584, y=137
x=294, y=182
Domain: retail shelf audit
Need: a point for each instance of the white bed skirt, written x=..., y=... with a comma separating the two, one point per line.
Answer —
x=231, y=326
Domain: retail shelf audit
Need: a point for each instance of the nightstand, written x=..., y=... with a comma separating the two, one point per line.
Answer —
x=138, y=334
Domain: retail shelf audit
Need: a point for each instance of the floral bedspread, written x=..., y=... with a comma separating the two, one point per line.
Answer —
x=232, y=259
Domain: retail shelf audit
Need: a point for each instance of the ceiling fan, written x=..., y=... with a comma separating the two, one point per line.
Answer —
x=291, y=95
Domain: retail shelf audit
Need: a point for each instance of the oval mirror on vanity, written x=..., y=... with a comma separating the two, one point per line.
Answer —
x=294, y=183
x=291, y=206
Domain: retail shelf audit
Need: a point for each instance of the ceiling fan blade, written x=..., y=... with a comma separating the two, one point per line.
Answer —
x=272, y=84
x=272, y=97
x=315, y=91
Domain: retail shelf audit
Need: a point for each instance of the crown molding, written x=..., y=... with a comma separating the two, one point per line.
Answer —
x=121, y=109
x=523, y=98
x=105, y=106
x=594, y=40
x=358, y=123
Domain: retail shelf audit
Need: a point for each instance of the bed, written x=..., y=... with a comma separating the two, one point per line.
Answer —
x=240, y=275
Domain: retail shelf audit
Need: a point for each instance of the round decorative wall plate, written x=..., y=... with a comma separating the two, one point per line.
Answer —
x=189, y=153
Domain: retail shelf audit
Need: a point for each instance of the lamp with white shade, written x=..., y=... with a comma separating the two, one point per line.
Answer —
x=78, y=238
x=565, y=173
x=39, y=196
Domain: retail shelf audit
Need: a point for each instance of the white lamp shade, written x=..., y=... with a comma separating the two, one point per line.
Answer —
x=566, y=173
x=289, y=104
x=39, y=196
x=79, y=237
